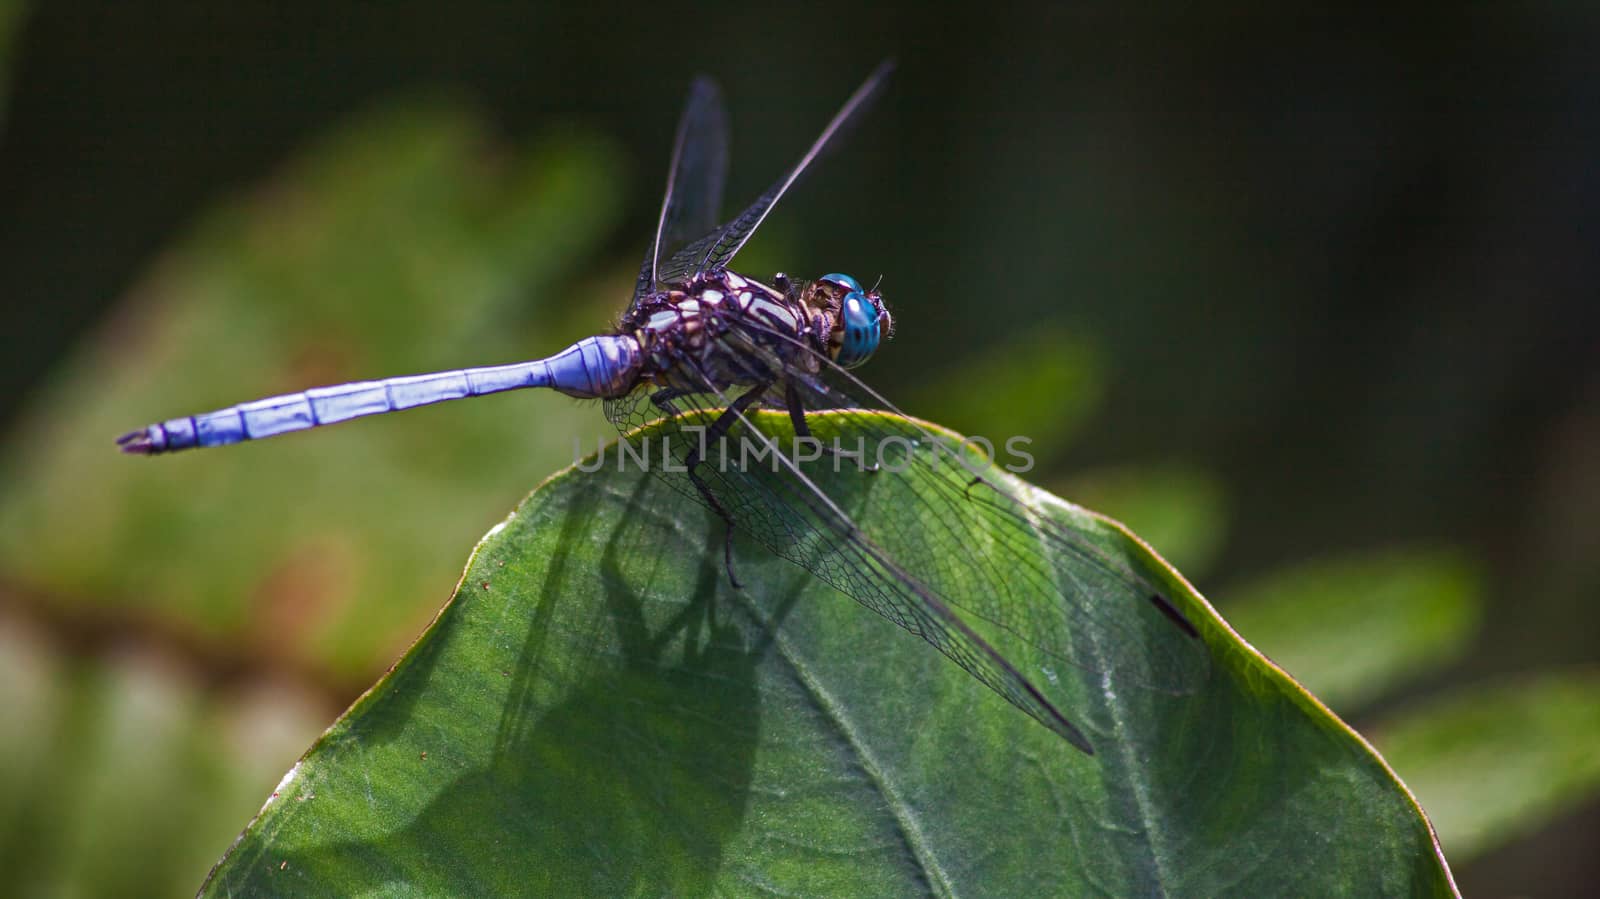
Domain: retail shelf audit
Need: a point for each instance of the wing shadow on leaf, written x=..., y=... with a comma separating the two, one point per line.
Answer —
x=601, y=774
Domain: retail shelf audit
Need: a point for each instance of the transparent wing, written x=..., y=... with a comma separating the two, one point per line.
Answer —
x=693, y=199
x=716, y=249
x=1104, y=610
x=996, y=583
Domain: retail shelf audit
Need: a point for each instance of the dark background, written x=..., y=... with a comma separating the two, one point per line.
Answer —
x=1347, y=264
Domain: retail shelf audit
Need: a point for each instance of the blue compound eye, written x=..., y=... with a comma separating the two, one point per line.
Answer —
x=849, y=284
x=861, y=330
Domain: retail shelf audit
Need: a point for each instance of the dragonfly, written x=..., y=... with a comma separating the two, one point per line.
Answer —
x=703, y=353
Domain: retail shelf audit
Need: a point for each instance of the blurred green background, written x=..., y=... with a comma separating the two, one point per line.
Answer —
x=1308, y=302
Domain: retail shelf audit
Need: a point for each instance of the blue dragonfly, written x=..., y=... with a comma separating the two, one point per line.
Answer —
x=702, y=353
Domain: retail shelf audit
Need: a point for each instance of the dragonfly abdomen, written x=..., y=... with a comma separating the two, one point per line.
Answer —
x=601, y=366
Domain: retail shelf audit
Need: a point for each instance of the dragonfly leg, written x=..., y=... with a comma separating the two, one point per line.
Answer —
x=716, y=432
x=663, y=398
x=797, y=416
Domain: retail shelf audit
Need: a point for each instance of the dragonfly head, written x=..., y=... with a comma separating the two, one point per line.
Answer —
x=859, y=319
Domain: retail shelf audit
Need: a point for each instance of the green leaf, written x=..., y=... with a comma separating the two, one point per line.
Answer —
x=1351, y=628
x=1493, y=762
x=598, y=712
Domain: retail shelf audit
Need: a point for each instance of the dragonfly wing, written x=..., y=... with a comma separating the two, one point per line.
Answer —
x=956, y=491
x=988, y=577
x=992, y=579
x=717, y=248
x=684, y=263
x=798, y=522
x=692, y=201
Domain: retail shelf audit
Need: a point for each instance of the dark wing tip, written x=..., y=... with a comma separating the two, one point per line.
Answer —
x=1044, y=711
x=1076, y=738
x=1174, y=615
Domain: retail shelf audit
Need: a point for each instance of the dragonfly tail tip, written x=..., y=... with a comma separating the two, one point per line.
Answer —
x=137, y=443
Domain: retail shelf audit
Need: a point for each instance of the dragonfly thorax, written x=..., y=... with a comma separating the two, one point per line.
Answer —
x=723, y=328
